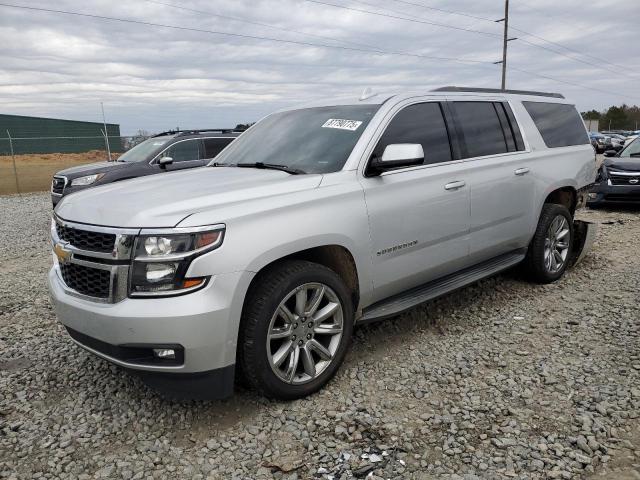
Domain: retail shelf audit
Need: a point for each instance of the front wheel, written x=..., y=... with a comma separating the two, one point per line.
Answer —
x=295, y=330
x=550, y=248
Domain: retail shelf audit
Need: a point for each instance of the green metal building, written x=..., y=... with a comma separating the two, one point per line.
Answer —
x=52, y=135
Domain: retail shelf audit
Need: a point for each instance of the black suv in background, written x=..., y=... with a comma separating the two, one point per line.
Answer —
x=165, y=152
x=618, y=180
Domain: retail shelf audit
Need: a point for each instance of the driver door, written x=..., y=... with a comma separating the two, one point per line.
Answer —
x=185, y=154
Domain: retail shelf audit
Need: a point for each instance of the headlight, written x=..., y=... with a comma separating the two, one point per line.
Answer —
x=162, y=259
x=86, y=180
x=601, y=175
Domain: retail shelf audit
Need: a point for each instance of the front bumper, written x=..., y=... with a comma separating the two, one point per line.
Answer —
x=603, y=193
x=203, y=323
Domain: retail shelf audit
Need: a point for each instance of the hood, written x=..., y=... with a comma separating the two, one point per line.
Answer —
x=90, y=169
x=165, y=200
x=623, y=163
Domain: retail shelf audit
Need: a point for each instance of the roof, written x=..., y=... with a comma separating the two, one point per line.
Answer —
x=231, y=132
x=374, y=98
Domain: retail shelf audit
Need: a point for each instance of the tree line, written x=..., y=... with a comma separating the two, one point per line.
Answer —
x=624, y=117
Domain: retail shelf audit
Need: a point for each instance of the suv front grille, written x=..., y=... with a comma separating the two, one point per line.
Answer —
x=93, y=262
x=86, y=280
x=86, y=240
x=57, y=185
x=624, y=179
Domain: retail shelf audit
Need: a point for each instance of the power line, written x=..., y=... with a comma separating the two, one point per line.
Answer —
x=245, y=36
x=414, y=20
x=441, y=10
x=524, y=32
x=573, y=84
x=526, y=42
x=570, y=49
x=261, y=24
x=294, y=42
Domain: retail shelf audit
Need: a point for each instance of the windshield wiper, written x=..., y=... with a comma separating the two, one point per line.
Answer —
x=634, y=154
x=271, y=166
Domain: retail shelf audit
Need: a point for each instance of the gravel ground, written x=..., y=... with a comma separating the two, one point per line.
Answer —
x=503, y=379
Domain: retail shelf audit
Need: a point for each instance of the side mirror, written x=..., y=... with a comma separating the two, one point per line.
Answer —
x=397, y=155
x=164, y=161
x=610, y=153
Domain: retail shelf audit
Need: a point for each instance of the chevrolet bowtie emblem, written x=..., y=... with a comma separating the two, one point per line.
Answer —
x=62, y=253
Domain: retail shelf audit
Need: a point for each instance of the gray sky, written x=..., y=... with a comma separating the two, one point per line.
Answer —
x=157, y=78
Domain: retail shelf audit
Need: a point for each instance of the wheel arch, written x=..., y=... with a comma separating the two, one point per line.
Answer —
x=334, y=256
x=564, y=195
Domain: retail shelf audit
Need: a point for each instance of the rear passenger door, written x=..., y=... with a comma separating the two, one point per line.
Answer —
x=418, y=216
x=499, y=174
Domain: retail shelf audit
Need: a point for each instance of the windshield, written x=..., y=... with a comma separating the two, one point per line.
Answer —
x=632, y=150
x=311, y=140
x=146, y=150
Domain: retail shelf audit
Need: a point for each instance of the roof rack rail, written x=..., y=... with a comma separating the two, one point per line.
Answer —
x=193, y=132
x=497, y=90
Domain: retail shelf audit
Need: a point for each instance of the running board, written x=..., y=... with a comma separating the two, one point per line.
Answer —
x=409, y=299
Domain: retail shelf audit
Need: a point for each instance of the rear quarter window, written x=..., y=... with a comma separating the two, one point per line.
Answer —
x=559, y=124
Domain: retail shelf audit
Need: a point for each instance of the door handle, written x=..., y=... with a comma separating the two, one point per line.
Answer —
x=454, y=185
x=521, y=171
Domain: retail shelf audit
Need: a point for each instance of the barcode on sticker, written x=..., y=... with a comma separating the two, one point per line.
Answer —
x=342, y=124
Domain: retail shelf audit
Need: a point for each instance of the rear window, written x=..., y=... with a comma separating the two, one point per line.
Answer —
x=559, y=124
x=481, y=128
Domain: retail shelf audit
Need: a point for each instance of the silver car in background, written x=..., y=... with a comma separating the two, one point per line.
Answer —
x=317, y=218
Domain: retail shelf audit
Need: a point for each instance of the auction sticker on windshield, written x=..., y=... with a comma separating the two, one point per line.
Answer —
x=341, y=124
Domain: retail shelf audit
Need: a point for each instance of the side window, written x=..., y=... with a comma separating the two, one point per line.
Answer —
x=421, y=123
x=559, y=124
x=184, y=151
x=515, y=129
x=213, y=146
x=481, y=128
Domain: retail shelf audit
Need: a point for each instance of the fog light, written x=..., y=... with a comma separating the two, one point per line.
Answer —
x=593, y=195
x=164, y=353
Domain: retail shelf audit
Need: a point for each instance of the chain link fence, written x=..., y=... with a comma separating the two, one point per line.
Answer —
x=28, y=163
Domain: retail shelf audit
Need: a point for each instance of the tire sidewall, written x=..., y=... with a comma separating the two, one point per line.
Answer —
x=549, y=213
x=271, y=383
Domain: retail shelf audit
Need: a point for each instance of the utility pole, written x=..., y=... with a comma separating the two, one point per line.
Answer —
x=15, y=170
x=106, y=134
x=505, y=41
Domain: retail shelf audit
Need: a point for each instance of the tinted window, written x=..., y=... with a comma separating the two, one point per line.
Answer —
x=183, y=151
x=515, y=129
x=145, y=151
x=213, y=146
x=560, y=125
x=422, y=123
x=632, y=150
x=480, y=127
x=314, y=140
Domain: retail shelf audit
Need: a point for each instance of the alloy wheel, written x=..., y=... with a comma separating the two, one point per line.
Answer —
x=304, y=333
x=556, y=244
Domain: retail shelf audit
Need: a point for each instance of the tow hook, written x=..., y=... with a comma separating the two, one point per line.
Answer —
x=584, y=234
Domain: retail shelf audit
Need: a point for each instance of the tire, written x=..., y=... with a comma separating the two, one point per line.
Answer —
x=541, y=266
x=267, y=330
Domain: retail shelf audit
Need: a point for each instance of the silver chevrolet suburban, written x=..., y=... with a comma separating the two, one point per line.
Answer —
x=316, y=219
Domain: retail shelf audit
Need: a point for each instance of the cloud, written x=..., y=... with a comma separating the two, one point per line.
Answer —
x=155, y=78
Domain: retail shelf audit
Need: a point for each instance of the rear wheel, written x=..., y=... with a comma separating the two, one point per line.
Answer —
x=295, y=330
x=550, y=247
